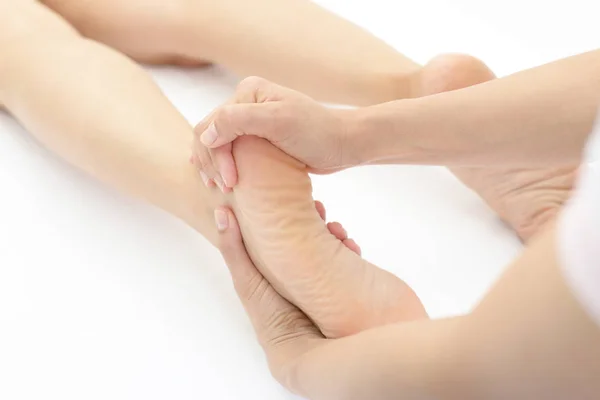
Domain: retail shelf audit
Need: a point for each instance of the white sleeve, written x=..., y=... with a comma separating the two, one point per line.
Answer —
x=579, y=232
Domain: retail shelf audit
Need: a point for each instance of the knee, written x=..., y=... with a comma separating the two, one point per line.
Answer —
x=126, y=21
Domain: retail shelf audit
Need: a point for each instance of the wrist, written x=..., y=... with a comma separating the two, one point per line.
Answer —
x=364, y=137
x=410, y=131
x=348, y=132
x=377, y=134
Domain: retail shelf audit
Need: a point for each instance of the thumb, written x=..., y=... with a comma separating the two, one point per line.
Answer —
x=264, y=120
x=284, y=332
x=231, y=245
x=276, y=321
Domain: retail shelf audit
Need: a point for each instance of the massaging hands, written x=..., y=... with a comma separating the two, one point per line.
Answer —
x=283, y=331
x=298, y=354
x=293, y=122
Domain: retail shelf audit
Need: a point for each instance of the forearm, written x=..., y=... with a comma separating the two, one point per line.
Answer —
x=103, y=114
x=301, y=45
x=532, y=118
x=415, y=360
x=529, y=338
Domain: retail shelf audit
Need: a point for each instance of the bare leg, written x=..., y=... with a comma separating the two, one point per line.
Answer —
x=102, y=113
x=99, y=111
x=293, y=42
x=325, y=58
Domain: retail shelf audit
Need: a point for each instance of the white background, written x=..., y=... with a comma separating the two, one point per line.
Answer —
x=103, y=297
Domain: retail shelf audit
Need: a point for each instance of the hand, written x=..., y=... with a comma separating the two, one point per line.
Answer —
x=284, y=332
x=405, y=357
x=313, y=134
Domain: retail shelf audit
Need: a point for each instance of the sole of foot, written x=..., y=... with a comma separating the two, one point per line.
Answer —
x=526, y=199
x=293, y=247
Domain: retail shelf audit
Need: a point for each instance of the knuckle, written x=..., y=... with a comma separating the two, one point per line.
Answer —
x=251, y=82
x=225, y=121
x=225, y=115
x=255, y=289
x=287, y=325
x=253, y=90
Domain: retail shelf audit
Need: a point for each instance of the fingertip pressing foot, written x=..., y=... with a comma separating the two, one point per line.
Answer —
x=337, y=230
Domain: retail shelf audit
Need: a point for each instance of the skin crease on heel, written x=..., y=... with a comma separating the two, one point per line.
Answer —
x=291, y=245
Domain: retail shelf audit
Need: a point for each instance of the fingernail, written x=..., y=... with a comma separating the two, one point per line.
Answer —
x=221, y=220
x=209, y=136
x=224, y=181
x=204, y=178
x=219, y=183
x=192, y=159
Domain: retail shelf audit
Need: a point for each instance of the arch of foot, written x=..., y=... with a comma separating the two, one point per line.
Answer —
x=526, y=199
x=292, y=247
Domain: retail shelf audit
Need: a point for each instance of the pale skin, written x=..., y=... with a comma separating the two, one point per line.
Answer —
x=495, y=136
x=113, y=114
x=327, y=61
x=99, y=111
x=529, y=338
x=294, y=42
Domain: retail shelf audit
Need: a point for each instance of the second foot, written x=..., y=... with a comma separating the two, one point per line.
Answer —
x=526, y=199
x=306, y=260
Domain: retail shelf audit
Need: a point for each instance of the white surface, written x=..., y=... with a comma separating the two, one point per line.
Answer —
x=579, y=232
x=102, y=297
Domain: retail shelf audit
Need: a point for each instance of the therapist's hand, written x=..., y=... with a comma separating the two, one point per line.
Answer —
x=284, y=332
x=404, y=358
x=312, y=133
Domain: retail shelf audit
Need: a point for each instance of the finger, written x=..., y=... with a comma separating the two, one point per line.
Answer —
x=265, y=120
x=204, y=163
x=202, y=125
x=217, y=175
x=225, y=164
x=337, y=230
x=206, y=121
x=259, y=298
x=321, y=210
x=351, y=244
x=284, y=332
x=254, y=89
x=245, y=276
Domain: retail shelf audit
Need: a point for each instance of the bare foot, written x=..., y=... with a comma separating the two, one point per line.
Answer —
x=525, y=199
x=297, y=252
